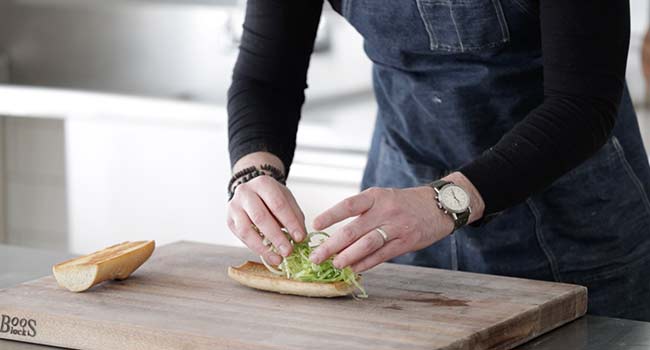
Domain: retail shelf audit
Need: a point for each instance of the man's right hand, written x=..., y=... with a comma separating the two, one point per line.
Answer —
x=268, y=205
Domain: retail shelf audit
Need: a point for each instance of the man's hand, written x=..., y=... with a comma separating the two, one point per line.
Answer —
x=409, y=217
x=268, y=205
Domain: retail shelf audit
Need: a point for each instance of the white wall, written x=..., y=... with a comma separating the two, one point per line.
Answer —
x=640, y=11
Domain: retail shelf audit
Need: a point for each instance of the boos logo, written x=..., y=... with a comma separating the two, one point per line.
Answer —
x=18, y=326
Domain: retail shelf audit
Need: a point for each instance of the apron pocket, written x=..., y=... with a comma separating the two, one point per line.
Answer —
x=595, y=218
x=464, y=25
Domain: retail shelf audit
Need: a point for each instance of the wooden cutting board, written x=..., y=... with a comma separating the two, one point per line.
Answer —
x=183, y=299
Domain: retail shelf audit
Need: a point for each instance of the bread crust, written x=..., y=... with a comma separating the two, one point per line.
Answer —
x=116, y=262
x=256, y=275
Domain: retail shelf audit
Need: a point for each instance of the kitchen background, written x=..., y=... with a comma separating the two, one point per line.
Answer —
x=113, y=121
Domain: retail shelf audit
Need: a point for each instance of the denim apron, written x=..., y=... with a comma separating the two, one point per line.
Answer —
x=451, y=77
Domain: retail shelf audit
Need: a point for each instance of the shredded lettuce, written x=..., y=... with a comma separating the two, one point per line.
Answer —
x=297, y=266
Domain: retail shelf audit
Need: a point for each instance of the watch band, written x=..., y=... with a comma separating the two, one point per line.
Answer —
x=460, y=219
x=438, y=184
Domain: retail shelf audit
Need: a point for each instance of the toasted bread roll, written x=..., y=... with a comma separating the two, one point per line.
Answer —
x=113, y=263
x=256, y=275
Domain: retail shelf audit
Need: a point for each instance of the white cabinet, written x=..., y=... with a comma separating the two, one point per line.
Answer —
x=136, y=181
x=34, y=183
x=131, y=180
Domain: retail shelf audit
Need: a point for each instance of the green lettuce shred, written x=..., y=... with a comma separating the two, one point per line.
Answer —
x=297, y=266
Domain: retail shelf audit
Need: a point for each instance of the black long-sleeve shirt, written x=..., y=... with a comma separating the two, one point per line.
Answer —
x=584, y=46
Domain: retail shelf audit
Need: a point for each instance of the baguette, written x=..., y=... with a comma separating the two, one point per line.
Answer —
x=256, y=275
x=117, y=262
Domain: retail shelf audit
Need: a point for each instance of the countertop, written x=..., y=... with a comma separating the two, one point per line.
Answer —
x=19, y=264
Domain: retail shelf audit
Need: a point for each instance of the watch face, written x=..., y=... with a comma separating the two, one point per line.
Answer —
x=454, y=198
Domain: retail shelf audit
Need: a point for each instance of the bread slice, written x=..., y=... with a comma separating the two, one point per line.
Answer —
x=113, y=263
x=256, y=275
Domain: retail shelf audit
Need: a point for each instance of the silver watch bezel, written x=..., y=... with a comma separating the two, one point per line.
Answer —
x=443, y=206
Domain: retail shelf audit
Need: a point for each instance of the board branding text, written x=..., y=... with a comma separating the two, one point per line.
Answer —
x=17, y=326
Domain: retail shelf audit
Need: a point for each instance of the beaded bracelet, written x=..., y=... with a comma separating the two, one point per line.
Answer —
x=252, y=172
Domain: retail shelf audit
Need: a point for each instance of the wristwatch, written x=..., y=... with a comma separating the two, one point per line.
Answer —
x=453, y=200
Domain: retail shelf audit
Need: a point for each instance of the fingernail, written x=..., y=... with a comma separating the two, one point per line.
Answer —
x=337, y=264
x=298, y=236
x=316, y=224
x=275, y=260
x=314, y=258
x=284, y=250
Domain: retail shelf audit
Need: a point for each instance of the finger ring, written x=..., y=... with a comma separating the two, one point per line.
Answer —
x=383, y=234
x=254, y=227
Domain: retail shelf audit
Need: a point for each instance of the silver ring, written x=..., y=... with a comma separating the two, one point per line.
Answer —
x=257, y=230
x=383, y=234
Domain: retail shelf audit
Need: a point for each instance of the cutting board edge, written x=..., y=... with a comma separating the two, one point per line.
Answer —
x=576, y=296
x=150, y=338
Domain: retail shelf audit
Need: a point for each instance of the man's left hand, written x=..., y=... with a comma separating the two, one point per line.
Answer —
x=409, y=217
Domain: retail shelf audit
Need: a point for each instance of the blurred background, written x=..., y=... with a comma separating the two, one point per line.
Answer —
x=113, y=119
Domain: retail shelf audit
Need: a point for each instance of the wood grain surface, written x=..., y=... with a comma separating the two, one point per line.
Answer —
x=182, y=299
